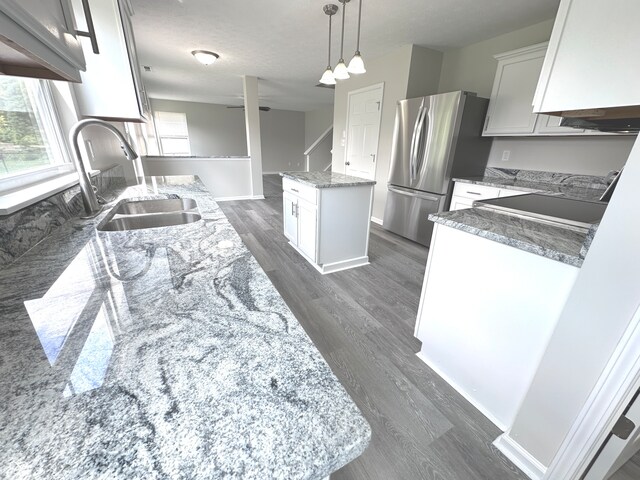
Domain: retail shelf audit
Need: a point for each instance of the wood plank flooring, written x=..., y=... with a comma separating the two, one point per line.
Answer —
x=362, y=322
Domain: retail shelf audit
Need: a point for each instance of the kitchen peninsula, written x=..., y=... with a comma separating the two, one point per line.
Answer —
x=164, y=353
x=516, y=273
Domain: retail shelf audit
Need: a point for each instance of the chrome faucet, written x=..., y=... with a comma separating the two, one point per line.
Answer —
x=89, y=198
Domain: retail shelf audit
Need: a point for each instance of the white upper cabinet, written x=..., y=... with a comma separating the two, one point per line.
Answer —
x=510, y=111
x=592, y=60
x=111, y=87
x=39, y=40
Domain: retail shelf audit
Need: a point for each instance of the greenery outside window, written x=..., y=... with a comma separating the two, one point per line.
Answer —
x=31, y=144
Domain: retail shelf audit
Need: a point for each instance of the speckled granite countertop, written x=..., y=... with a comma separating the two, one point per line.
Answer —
x=327, y=179
x=548, y=240
x=162, y=353
x=553, y=185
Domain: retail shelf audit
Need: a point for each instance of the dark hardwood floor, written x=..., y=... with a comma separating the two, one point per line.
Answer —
x=362, y=321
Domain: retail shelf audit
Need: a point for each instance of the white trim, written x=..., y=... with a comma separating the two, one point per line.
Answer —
x=336, y=266
x=315, y=144
x=519, y=457
x=166, y=158
x=462, y=392
x=16, y=200
x=280, y=172
x=616, y=386
x=376, y=220
x=241, y=197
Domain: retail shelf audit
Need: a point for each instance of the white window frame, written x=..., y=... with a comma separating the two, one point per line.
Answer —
x=175, y=137
x=53, y=127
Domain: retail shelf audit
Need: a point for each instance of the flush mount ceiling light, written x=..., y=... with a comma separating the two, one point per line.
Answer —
x=341, y=72
x=356, y=65
x=327, y=77
x=205, y=57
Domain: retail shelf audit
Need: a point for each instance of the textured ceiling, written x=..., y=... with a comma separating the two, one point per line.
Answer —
x=284, y=43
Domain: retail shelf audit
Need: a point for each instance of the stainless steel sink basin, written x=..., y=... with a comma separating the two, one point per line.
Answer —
x=141, y=207
x=136, y=222
x=141, y=214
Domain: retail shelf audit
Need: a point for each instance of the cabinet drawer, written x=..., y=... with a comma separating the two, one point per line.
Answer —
x=305, y=192
x=475, y=192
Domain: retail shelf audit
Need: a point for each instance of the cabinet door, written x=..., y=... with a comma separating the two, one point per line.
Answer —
x=510, y=108
x=592, y=60
x=290, y=218
x=115, y=70
x=42, y=38
x=460, y=203
x=307, y=229
x=550, y=125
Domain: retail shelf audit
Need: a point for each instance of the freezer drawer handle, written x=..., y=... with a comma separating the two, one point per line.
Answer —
x=417, y=195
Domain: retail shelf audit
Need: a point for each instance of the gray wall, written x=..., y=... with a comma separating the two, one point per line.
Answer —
x=316, y=123
x=396, y=70
x=213, y=129
x=218, y=130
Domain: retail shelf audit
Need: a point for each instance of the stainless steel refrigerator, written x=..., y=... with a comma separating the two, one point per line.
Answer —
x=435, y=138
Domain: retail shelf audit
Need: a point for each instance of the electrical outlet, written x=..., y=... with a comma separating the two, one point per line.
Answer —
x=505, y=155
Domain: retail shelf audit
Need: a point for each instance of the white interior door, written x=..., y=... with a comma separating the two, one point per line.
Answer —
x=619, y=457
x=363, y=131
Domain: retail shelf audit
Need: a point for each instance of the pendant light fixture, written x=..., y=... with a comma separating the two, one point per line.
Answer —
x=356, y=65
x=327, y=77
x=340, y=72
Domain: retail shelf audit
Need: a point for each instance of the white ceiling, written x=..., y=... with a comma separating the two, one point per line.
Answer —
x=284, y=43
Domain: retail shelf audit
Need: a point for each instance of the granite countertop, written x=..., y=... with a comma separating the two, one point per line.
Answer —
x=196, y=156
x=553, y=241
x=327, y=179
x=162, y=353
x=578, y=192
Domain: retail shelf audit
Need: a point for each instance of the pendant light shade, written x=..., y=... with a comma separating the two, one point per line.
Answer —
x=356, y=65
x=328, y=77
x=341, y=72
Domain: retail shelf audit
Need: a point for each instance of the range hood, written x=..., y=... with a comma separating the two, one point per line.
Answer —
x=615, y=119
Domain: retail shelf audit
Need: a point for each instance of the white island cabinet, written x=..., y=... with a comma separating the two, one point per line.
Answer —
x=487, y=311
x=327, y=218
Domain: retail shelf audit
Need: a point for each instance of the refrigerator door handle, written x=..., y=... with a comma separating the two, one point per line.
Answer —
x=414, y=143
x=426, y=196
x=424, y=126
x=414, y=165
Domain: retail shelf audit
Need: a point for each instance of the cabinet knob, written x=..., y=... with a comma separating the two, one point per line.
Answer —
x=347, y=163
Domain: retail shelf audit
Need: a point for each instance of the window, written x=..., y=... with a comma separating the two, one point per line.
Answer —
x=30, y=137
x=173, y=135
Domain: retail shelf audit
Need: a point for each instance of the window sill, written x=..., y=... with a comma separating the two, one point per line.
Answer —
x=12, y=201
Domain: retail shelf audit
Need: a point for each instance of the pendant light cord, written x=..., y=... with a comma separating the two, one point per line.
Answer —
x=329, y=56
x=344, y=4
x=359, y=20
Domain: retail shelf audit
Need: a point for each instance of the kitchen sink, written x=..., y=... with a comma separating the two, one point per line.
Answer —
x=168, y=205
x=142, y=214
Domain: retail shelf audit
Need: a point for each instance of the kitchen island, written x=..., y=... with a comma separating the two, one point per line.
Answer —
x=162, y=353
x=327, y=218
x=495, y=285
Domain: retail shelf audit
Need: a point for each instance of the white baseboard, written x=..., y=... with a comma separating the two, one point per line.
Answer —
x=242, y=197
x=520, y=457
x=496, y=421
x=376, y=220
x=336, y=266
